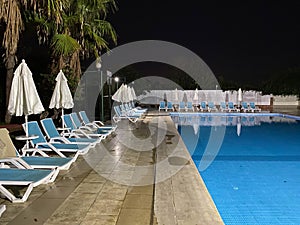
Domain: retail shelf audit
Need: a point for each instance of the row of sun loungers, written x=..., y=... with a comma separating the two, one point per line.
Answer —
x=129, y=112
x=208, y=107
x=41, y=163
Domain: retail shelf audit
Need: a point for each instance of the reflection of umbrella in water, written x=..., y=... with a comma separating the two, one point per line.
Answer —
x=238, y=126
x=23, y=98
x=196, y=128
x=61, y=97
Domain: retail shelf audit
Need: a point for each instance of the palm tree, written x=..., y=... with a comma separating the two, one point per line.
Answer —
x=10, y=14
x=83, y=33
x=72, y=28
x=84, y=23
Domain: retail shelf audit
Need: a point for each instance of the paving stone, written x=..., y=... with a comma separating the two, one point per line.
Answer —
x=134, y=217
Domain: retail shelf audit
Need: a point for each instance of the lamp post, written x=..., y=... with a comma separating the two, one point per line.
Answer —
x=216, y=93
x=117, y=81
x=109, y=82
x=98, y=66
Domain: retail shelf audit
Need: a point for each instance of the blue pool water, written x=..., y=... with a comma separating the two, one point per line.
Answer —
x=255, y=177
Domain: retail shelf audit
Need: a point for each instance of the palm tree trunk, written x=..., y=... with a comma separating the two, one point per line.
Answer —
x=10, y=64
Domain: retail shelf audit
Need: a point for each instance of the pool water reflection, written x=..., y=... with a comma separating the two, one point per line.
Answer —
x=255, y=177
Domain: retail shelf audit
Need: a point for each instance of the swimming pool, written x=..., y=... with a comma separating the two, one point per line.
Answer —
x=255, y=177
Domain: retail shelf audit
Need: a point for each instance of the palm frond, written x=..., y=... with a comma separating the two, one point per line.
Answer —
x=10, y=14
x=107, y=29
x=63, y=44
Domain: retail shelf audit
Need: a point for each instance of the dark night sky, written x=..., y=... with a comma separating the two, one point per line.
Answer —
x=243, y=42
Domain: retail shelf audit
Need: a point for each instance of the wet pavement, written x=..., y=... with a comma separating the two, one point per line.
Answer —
x=142, y=174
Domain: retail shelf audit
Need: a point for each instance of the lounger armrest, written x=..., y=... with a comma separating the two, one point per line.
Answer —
x=92, y=125
x=71, y=134
x=87, y=128
x=98, y=121
x=34, y=152
x=60, y=140
x=132, y=114
x=51, y=147
x=78, y=133
x=16, y=162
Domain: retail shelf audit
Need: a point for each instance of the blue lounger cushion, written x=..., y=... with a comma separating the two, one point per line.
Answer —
x=11, y=174
x=52, y=132
x=47, y=161
x=65, y=146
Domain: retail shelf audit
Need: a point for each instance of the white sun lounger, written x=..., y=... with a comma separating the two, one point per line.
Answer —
x=9, y=157
x=79, y=133
x=53, y=135
x=29, y=178
x=96, y=123
x=59, y=148
x=132, y=117
x=103, y=132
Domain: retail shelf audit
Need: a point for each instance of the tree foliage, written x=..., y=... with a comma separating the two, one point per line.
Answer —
x=285, y=82
x=71, y=29
x=64, y=45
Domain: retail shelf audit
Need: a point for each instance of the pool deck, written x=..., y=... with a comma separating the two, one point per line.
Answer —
x=142, y=174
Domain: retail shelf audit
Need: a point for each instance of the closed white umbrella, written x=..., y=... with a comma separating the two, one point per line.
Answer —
x=23, y=98
x=176, y=98
x=196, y=97
x=226, y=96
x=125, y=96
x=240, y=95
x=129, y=95
x=116, y=95
x=119, y=95
x=203, y=96
x=133, y=93
x=61, y=97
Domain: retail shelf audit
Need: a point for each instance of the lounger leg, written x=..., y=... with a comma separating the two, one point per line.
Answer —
x=13, y=198
x=2, y=209
x=55, y=174
x=26, y=194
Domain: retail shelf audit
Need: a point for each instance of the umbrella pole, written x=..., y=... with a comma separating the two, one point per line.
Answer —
x=62, y=118
x=26, y=131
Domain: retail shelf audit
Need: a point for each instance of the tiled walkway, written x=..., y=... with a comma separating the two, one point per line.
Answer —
x=141, y=175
